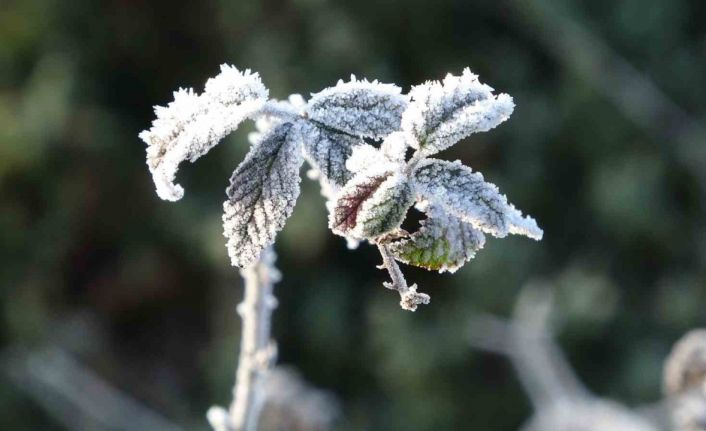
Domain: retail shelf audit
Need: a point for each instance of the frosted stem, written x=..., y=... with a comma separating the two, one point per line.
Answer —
x=257, y=350
x=282, y=110
x=409, y=297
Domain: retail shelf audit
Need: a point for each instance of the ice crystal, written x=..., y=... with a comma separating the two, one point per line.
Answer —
x=192, y=124
x=359, y=108
x=442, y=113
x=465, y=194
x=262, y=194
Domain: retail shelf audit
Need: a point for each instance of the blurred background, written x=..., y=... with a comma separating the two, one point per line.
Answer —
x=606, y=149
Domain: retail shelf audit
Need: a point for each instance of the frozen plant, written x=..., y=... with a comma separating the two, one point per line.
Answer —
x=356, y=136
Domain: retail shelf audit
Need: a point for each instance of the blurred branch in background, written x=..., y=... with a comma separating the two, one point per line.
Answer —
x=633, y=93
x=685, y=382
x=75, y=396
x=293, y=405
x=561, y=401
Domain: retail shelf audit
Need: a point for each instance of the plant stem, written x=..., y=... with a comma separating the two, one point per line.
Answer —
x=257, y=350
x=409, y=297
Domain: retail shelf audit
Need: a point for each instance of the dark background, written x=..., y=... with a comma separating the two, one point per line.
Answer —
x=605, y=148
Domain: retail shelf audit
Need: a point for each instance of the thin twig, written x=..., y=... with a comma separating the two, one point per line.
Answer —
x=257, y=350
x=409, y=297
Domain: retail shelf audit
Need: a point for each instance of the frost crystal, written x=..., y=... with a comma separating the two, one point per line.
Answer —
x=262, y=194
x=443, y=243
x=442, y=113
x=192, y=124
x=465, y=194
x=359, y=108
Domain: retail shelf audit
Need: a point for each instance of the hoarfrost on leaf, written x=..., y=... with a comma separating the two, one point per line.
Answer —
x=442, y=113
x=394, y=147
x=385, y=209
x=327, y=151
x=192, y=124
x=360, y=108
x=262, y=193
x=465, y=194
x=442, y=243
x=343, y=217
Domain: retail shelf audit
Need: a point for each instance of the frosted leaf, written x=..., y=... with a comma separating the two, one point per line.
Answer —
x=385, y=209
x=327, y=151
x=231, y=86
x=262, y=194
x=442, y=113
x=465, y=194
x=192, y=124
x=371, y=204
x=442, y=243
x=361, y=108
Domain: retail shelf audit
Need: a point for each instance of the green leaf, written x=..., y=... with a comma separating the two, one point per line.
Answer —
x=442, y=243
x=371, y=204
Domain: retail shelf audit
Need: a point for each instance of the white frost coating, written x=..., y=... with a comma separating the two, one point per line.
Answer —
x=442, y=113
x=465, y=194
x=192, y=124
x=442, y=243
x=394, y=147
x=262, y=194
x=360, y=108
x=365, y=157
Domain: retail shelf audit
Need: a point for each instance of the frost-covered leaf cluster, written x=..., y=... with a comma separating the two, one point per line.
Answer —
x=356, y=137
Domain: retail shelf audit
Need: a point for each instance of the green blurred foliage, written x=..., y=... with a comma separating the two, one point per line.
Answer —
x=82, y=232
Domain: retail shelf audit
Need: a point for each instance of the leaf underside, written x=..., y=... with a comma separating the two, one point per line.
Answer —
x=327, y=151
x=344, y=215
x=262, y=193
